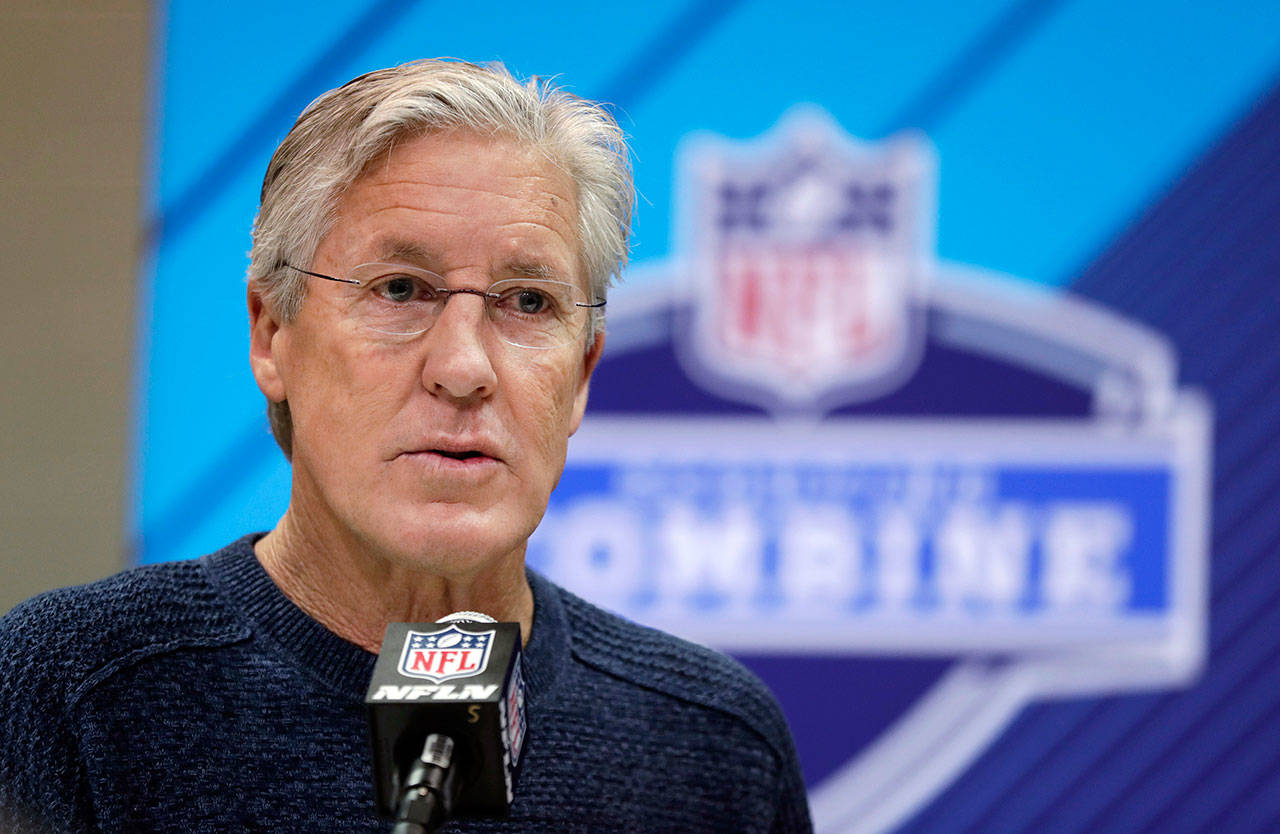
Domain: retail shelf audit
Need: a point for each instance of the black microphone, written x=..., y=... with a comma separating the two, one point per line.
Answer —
x=446, y=719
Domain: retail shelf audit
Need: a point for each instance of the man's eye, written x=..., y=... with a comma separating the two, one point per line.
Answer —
x=402, y=288
x=528, y=301
x=531, y=302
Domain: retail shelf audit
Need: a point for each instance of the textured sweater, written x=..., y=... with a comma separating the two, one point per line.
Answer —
x=194, y=696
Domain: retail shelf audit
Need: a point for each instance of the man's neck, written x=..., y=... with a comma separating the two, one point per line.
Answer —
x=355, y=594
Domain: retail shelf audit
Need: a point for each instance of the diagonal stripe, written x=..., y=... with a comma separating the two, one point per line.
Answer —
x=995, y=772
x=242, y=461
x=1193, y=253
x=1084, y=789
x=1225, y=779
x=1250, y=369
x=1248, y=454
x=1019, y=753
x=1034, y=791
x=1237, y=562
x=971, y=67
x=1251, y=484
x=1088, y=774
x=656, y=59
x=1217, y=175
x=1256, y=805
x=1249, y=592
x=1173, y=741
x=1242, y=252
x=1084, y=778
x=1207, y=740
x=1031, y=756
x=191, y=204
x=1238, y=252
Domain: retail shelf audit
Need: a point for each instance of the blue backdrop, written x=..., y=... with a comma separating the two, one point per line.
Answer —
x=1124, y=153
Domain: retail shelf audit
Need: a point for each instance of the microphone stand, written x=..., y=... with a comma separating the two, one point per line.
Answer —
x=427, y=798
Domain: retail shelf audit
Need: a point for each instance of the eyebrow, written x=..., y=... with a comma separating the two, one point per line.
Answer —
x=406, y=251
x=403, y=250
x=534, y=270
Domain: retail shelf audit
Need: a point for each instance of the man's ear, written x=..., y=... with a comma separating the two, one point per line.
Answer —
x=264, y=347
x=589, y=361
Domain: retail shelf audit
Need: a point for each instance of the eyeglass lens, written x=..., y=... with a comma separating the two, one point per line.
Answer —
x=528, y=312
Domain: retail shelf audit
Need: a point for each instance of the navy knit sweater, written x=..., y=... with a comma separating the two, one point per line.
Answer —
x=194, y=696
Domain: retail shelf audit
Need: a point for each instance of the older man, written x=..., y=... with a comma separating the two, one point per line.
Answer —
x=425, y=298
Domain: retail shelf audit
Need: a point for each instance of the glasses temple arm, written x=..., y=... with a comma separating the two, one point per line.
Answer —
x=325, y=277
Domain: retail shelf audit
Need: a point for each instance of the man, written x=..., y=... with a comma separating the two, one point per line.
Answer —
x=428, y=272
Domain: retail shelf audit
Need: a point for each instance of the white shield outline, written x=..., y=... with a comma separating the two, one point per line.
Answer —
x=402, y=668
x=806, y=132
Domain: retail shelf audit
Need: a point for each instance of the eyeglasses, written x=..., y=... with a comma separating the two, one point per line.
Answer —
x=404, y=301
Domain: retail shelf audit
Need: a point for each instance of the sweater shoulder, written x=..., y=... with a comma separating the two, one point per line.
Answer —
x=71, y=637
x=678, y=668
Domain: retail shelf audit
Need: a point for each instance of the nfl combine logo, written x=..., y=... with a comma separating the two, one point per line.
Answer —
x=971, y=492
x=809, y=252
x=439, y=656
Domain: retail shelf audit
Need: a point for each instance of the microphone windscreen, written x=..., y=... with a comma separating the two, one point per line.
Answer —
x=466, y=617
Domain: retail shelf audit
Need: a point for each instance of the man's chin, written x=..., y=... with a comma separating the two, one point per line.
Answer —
x=450, y=541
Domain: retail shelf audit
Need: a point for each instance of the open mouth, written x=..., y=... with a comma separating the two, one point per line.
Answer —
x=458, y=455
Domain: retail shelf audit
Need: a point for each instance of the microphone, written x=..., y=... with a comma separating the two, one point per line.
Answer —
x=446, y=720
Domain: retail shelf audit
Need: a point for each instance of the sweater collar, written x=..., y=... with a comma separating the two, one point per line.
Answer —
x=546, y=657
x=343, y=666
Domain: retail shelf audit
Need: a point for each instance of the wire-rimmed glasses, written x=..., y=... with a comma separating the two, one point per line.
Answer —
x=405, y=301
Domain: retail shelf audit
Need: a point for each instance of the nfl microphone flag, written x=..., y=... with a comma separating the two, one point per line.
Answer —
x=462, y=680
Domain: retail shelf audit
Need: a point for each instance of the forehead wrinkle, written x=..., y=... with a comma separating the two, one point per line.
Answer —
x=529, y=185
x=539, y=167
x=546, y=198
x=548, y=219
x=522, y=260
x=396, y=249
x=411, y=247
x=548, y=215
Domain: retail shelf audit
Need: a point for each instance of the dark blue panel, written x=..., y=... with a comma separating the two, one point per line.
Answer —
x=1200, y=266
x=836, y=704
x=949, y=383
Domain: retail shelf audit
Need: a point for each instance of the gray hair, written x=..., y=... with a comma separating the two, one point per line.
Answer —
x=345, y=130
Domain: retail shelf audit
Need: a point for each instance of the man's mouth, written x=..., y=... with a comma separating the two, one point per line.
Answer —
x=467, y=455
x=457, y=453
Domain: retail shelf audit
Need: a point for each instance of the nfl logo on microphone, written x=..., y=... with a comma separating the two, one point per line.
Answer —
x=444, y=655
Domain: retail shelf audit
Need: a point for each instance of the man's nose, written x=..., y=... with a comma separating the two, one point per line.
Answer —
x=458, y=365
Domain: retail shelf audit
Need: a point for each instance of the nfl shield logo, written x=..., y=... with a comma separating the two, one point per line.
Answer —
x=439, y=656
x=810, y=254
